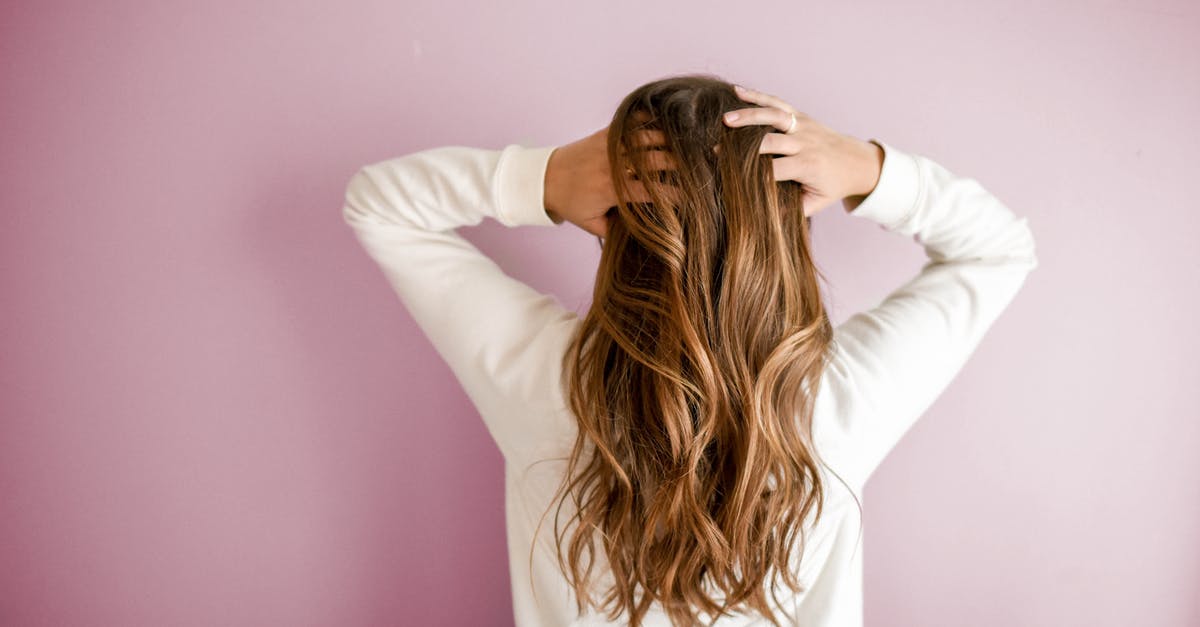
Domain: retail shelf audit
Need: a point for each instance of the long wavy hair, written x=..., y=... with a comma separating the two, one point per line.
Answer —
x=693, y=374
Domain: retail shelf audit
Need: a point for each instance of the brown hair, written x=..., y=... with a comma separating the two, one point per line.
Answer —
x=693, y=373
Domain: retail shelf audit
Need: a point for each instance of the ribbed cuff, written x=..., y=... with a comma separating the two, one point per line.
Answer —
x=895, y=195
x=520, y=186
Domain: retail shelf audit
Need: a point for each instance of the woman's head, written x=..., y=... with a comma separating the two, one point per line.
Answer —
x=678, y=120
x=692, y=375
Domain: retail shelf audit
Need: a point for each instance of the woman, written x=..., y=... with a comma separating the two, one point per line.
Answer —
x=702, y=432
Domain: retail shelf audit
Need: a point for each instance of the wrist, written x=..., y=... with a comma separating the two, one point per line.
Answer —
x=869, y=168
x=550, y=191
x=866, y=166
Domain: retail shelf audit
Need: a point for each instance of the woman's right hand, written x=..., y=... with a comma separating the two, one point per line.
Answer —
x=829, y=166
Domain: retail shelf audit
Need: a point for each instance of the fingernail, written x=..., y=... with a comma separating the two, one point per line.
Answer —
x=739, y=88
x=731, y=116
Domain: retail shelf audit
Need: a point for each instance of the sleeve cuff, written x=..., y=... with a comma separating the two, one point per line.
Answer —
x=895, y=196
x=520, y=186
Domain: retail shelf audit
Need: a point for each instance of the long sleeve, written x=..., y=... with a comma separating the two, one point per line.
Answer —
x=498, y=335
x=890, y=362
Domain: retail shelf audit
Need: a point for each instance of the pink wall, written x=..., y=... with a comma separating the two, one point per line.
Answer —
x=214, y=411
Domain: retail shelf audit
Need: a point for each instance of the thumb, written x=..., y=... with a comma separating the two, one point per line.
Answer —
x=597, y=226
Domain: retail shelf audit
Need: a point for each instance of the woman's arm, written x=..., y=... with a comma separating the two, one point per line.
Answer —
x=498, y=335
x=891, y=362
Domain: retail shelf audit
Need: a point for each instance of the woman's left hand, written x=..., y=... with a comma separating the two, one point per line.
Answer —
x=579, y=187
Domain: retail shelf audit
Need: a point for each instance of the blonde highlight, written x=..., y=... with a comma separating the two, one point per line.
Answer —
x=692, y=376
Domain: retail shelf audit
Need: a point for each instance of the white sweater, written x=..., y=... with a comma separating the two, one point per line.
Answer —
x=504, y=341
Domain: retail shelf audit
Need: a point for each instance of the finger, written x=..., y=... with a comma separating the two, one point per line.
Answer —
x=636, y=190
x=762, y=98
x=666, y=187
x=655, y=161
x=773, y=116
x=780, y=144
x=649, y=137
x=656, y=157
x=778, y=169
x=597, y=226
x=661, y=160
x=643, y=141
x=793, y=168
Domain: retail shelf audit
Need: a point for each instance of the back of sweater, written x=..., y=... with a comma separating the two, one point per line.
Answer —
x=504, y=342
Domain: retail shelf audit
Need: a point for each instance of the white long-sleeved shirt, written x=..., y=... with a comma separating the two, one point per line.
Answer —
x=504, y=341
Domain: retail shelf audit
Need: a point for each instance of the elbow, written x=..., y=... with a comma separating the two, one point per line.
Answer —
x=1015, y=247
x=357, y=198
x=1028, y=246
